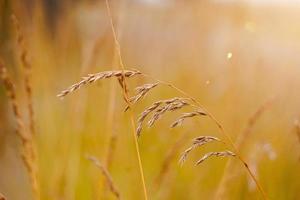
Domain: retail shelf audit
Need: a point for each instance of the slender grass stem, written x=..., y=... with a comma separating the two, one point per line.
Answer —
x=126, y=97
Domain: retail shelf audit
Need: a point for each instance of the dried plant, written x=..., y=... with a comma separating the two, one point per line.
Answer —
x=159, y=108
x=107, y=176
x=141, y=92
x=91, y=78
x=113, y=135
x=197, y=142
x=10, y=90
x=28, y=152
x=121, y=75
x=169, y=105
x=217, y=154
x=200, y=111
x=179, y=121
x=144, y=114
x=24, y=58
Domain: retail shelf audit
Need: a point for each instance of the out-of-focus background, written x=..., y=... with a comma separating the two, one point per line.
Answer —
x=233, y=56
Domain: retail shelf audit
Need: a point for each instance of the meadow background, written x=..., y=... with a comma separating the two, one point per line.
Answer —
x=233, y=56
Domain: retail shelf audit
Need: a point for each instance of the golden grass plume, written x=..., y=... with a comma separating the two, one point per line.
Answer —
x=106, y=174
x=28, y=153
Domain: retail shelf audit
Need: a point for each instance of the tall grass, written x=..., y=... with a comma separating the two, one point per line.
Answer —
x=161, y=107
x=150, y=104
x=28, y=152
x=170, y=105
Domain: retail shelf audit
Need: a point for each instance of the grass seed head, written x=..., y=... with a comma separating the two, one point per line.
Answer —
x=216, y=154
x=91, y=78
x=180, y=120
x=197, y=142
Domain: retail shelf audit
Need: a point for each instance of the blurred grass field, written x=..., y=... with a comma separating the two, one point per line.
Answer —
x=187, y=43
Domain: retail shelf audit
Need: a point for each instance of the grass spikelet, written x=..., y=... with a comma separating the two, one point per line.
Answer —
x=180, y=120
x=166, y=105
x=28, y=153
x=91, y=78
x=141, y=92
x=170, y=105
x=144, y=114
x=217, y=154
x=107, y=176
x=197, y=142
x=159, y=112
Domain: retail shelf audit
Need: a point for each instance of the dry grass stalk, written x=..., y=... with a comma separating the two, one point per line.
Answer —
x=197, y=142
x=125, y=95
x=168, y=160
x=27, y=69
x=113, y=135
x=91, y=78
x=111, y=149
x=107, y=176
x=28, y=153
x=297, y=128
x=141, y=92
x=217, y=154
x=121, y=75
x=110, y=119
x=180, y=120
